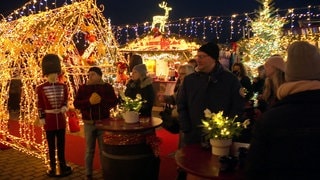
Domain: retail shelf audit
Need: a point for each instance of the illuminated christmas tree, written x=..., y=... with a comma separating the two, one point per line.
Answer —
x=267, y=33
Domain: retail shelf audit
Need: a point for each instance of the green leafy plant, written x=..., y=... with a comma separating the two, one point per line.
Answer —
x=129, y=104
x=217, y=126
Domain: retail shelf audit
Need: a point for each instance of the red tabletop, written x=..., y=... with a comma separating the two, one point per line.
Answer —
x=118, y=125
x=202, y=163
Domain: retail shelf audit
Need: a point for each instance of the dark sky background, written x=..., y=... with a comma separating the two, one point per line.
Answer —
x=138, y=11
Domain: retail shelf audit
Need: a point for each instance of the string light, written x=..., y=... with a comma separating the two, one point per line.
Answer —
x=77, y=32
x=186, y=26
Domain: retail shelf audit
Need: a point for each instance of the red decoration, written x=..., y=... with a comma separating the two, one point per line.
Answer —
x=52, y=37
x=90, y=60
x=122, y=65
x=234, y=46
x=164, y=43
x=88, y=15
x=156, y=32
x=74, y=123
x=121, y=75
x=91, y=38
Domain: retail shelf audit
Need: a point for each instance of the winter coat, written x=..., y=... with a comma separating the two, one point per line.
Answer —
x=97, y=111
x=145, y=89
x=217, y=91
x=286, y=139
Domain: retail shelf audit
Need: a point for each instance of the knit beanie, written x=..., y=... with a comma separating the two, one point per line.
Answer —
x=211, y=49
x=303, y=62
x=141, y=68
x=96, y=70
x=276, y=61
x=51, y=64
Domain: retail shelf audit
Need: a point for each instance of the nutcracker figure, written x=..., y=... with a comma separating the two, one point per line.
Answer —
x=52, y=105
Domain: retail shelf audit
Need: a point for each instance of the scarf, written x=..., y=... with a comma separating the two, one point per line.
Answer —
x=297, y=86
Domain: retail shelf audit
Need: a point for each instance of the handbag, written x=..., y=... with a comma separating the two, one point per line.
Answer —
x=73, y=121
x=170, y=122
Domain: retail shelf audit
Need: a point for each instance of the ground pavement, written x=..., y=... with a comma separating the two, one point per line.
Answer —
x=15, y=165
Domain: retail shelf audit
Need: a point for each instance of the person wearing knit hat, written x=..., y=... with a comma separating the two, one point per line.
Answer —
x=207, y=57
x=274, y=70
x=141, y=69
x=303, y=62
x=211, y=87
x=94, y=100
x=141, y=84
x=276, y=62
x=96, y=70
x=210, y=49
x=286, y=136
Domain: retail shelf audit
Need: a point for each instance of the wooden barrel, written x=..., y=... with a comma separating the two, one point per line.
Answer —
x=128, y=156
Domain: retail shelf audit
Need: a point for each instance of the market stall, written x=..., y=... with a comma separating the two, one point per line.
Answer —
x=162, y=55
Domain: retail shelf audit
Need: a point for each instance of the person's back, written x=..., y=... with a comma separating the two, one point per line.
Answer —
x=286, y=139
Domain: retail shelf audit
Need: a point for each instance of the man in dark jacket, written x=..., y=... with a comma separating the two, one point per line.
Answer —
x=212, y=87
x=94, y=100
x=286, y=141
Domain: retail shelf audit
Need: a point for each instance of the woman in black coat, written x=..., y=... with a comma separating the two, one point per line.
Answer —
x=141, y=84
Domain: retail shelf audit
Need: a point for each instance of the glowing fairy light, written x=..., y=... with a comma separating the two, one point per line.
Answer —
x=26, y=36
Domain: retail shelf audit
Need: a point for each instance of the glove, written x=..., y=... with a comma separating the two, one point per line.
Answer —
x=95, y=98
x=63, y=109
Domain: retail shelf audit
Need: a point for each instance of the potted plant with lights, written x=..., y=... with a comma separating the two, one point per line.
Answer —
x=220, y=130
x=131, y=107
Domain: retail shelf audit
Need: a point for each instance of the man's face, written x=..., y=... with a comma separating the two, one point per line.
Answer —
x=94, y=77
x=205, y=62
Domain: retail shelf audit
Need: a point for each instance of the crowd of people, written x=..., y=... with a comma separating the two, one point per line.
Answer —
x=281, y=101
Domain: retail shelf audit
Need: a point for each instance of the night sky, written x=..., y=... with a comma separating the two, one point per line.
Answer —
x=138, y=11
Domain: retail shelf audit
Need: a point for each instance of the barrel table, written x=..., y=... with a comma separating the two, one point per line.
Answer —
x=130, y=151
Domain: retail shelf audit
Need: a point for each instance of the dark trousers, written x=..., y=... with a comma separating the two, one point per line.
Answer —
x=56, y=139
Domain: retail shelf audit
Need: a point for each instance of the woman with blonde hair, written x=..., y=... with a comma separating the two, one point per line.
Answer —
x=274, y=71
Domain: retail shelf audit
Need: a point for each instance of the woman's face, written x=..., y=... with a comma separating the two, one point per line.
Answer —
x=269, y=70
x=135, y=75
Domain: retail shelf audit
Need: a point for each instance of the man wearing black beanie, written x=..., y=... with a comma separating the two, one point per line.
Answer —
x=210, y=87
x=94, y=100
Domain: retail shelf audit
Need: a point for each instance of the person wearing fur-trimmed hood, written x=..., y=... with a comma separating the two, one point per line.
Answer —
x=141, y=84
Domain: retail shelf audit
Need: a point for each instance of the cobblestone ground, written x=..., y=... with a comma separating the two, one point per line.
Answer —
x=15, y=165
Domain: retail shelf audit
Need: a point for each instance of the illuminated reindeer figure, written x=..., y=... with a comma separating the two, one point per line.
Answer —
x=161, y=19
